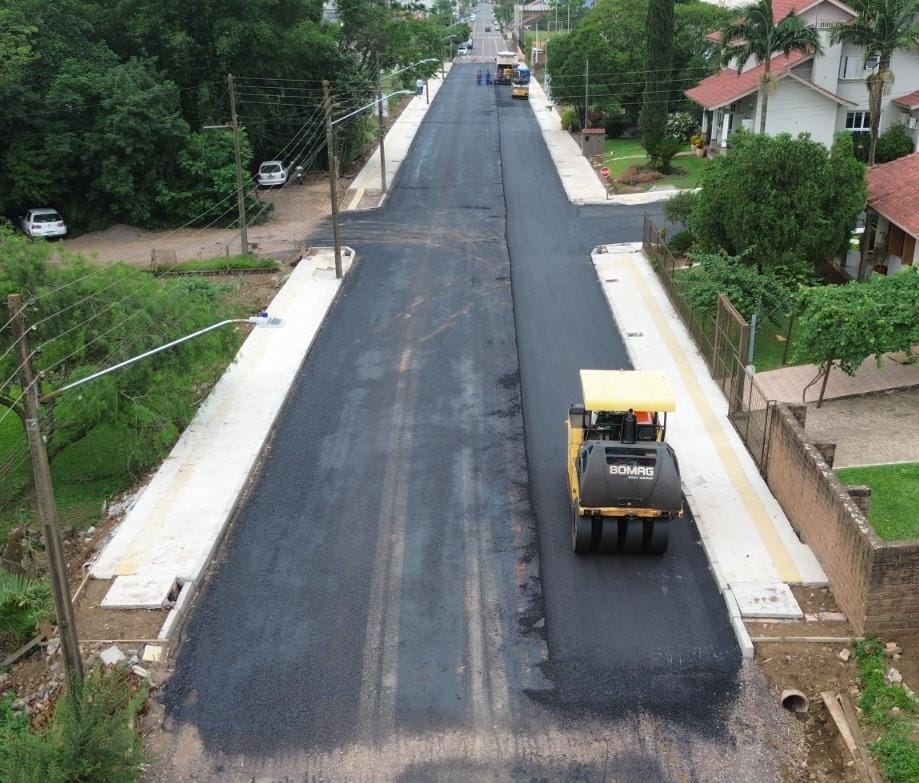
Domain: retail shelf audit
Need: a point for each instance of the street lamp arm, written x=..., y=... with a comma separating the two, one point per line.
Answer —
x=258, y=320
x=371, y=105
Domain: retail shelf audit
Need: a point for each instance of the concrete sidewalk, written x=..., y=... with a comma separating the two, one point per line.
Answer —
x=175, y=526
x=751, y=546
x=365, y=191
x=582, y=186
x=787, y=384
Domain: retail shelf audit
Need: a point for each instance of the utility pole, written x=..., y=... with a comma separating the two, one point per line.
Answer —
x=333, y=173
x=240, y=195
x=382, y=129
x=44, y=492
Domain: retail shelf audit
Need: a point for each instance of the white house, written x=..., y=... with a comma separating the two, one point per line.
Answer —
x=817, y=94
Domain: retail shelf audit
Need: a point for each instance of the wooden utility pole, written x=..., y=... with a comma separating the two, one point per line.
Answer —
x=382, y=129
x=44, y=493
x=240, y=194
x=333, y=173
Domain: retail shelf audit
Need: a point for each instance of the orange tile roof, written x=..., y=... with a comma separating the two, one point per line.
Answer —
x=727, y=86
x=908, y=101
x=893, y=191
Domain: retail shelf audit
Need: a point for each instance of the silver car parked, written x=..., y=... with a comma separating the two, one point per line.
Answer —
x=43, y=222
x=272, y=173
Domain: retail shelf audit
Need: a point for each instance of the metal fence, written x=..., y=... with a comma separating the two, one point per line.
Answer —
x=723, y=341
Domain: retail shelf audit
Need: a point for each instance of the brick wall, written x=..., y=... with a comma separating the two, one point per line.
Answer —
x=875, y=582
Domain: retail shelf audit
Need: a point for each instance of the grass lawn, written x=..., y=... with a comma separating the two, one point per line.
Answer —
x=894, y=512
x=770, y=345
x=531, y=36
x=624, y=153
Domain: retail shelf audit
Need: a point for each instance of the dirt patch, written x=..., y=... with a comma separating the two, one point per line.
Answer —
x=97, y=623
x=815, y=667
x=297, y=211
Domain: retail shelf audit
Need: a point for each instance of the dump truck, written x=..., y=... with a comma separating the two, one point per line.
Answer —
x=623, y=476
x=505, y=67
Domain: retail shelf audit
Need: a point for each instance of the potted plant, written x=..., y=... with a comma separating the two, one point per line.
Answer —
x=698, y=145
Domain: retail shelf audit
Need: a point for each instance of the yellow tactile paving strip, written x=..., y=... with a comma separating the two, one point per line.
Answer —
x=781, y=559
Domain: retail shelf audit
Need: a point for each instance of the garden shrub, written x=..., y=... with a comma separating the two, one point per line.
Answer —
x=571, y=120
x=893, y=143
x=680, y=242
x=679, y=206
x=24, y=602
x=681, y=126
x=636, y=175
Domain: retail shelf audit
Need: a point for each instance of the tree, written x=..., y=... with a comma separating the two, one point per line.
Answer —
x=845, y=324
x=755, y=35
x=881, y=27
x=893, y=143
x=783, y=202
x=749, y=290
x=86, y=319
x=652, y=122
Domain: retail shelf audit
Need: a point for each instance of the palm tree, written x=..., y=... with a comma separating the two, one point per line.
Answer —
x=754, y=34
x=881, y=27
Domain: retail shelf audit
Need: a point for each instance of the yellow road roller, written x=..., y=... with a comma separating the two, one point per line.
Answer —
x=623, y=476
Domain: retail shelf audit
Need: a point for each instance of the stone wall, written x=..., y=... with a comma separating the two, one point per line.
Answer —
x=875, y=582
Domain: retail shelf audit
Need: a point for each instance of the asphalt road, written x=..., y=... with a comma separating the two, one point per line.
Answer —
x=397, y=600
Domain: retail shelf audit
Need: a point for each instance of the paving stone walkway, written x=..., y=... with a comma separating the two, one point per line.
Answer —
x=869, y=430
x=787, y=384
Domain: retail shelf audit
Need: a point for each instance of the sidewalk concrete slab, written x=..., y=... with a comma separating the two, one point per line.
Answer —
x=787, y=384
x=175, y=526
x=582, y=186
x=365, y=191
x=771, y=601
x=747, y=536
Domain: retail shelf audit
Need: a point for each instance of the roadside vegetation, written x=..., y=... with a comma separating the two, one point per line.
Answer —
x=889, y=710
x=104, y=435
x=219, y=264
x=106, y=104
x=92, y=736
x=894, y=497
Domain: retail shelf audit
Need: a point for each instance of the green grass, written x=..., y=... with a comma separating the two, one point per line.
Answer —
x=894, y=497
x=222, y=263
x=624, y=148
x=770, y=345
x=85, y=476
x=531, y=36
x=624, y=153
x=897, y=753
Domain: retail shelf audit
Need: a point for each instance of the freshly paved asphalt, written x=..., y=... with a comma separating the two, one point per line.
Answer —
x=400, y=576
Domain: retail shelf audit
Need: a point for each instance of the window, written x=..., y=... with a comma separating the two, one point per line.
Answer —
x=858, y=120
x=854, y=66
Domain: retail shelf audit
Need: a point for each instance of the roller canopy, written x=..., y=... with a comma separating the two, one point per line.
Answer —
x=620, y=390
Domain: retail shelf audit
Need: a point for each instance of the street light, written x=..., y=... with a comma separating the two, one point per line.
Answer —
x=260, y=320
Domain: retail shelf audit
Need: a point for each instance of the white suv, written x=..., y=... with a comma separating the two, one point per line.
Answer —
x=43, y=222
x=272, y=172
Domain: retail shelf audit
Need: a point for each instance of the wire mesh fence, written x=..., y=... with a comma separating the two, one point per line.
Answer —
x=723, y=340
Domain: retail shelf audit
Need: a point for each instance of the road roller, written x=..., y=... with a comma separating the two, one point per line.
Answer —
x=623, y=476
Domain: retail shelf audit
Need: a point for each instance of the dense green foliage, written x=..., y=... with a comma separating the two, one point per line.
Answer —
x=849, y=323
x=652, y=120
x=92, y=738
x=749, y=290
x=87, y=318
x=612, y=38
x=105, y=103
x=679, y=206
x=892, y=708
x=782, y=202
x=24, y=603
x=895, y=142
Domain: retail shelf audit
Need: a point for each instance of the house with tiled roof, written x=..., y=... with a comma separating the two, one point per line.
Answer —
x=893, y=192
x=816, y=94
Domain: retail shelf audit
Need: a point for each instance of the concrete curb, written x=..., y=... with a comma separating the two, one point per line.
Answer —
x=730, y=602
x=176, y=617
